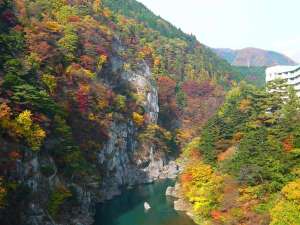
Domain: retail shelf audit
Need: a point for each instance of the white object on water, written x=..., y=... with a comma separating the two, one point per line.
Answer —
x=147, y=206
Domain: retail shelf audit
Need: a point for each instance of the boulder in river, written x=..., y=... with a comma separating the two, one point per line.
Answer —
x=147, y=206
x=181, y=205
x=170, y=191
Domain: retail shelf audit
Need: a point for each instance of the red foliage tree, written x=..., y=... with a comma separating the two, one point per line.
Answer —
x=194, y=89
x=74, y=19
x=14, y=155
x=217, y=215
x=167, y=100
x=288, y=143
x=39, y=40
x=191, y=88
x=87, y=62
x=82, y=98
x=9, y=17
x=166, y=89
x=186, y=178
x=206, y=88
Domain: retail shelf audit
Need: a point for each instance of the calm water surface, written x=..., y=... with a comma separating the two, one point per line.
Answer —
x=128, y=209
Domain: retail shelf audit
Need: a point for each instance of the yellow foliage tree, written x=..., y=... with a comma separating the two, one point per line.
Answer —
x=103, y=103
x=138, y=119
x=50, y=82
x=88, y=73
x=245, y=105
x=101, y=61
x=288, y=207
x=106, y=12
x=126, y=66
x=24, y=121
x=183, y=136
x=33, y=133
x=202, y=187
x=77, y=70
x=54, y=26
x=292, y=191
x=97, y=5
x=157, y=61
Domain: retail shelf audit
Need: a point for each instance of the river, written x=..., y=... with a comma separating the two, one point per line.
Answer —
x=128, y=208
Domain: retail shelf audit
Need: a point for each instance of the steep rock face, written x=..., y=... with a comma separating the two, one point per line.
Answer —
x=143, y=82
x=123, y=162
x=37, y=212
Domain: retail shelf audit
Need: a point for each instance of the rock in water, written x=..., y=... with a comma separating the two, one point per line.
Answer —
x=169, y=191
x=147, y=206
x=181, y=205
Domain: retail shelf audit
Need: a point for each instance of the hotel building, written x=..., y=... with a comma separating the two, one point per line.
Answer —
x=290, y=74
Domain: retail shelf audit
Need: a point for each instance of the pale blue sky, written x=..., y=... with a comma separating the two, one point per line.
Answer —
x=266, y=24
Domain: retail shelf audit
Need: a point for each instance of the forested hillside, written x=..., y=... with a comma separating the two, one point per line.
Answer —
x=252, y=75
x=244, y=168
x=198, y=56
x=93, y=97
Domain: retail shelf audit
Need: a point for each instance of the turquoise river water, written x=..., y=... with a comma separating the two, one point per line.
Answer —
x=128, y=209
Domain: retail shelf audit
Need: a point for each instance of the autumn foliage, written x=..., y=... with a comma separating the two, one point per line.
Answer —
x=82, y=98
x=288, y=143
x=67, y=71
x=202, y=187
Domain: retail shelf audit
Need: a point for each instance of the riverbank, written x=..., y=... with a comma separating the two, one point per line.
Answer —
x=180, y=204
x=198, y=187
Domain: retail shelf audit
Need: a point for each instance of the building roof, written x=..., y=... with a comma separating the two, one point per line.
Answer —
x=282, y=69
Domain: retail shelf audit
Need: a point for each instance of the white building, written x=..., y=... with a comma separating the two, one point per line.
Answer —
x=291, y=74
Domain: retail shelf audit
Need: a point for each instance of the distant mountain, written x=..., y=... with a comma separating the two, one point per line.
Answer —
x=253, y=57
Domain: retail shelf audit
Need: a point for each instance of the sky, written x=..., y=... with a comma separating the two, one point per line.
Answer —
x=267, y=24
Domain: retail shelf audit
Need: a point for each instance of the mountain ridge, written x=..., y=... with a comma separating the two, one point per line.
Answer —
x=251, y=56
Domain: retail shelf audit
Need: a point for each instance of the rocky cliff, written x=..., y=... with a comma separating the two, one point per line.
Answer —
x=123, y=161
x=123, y=164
